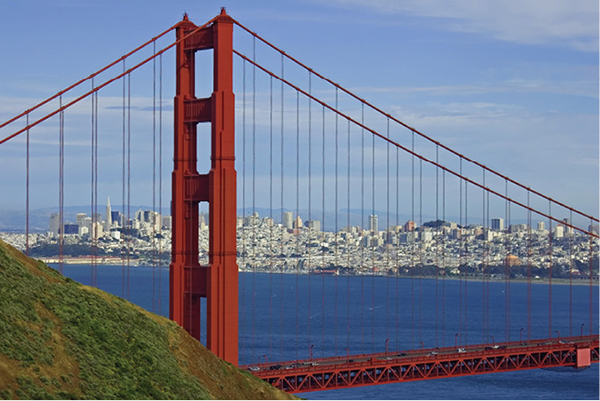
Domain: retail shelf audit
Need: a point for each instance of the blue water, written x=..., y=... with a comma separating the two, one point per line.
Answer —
x=287, y=317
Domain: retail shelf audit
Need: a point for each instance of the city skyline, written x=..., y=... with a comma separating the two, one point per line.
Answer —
x=263, y=244
x=353, y=217
x=291, y=220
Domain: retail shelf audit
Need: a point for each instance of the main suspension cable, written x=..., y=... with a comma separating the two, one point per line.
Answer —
x=378, y=110
x=90, y=77
x=96, y=88
x=405, y=149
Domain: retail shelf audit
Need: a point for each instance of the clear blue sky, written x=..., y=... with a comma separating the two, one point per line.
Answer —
x=512, y=84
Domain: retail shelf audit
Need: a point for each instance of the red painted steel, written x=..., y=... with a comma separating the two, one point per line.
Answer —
x=383, y=368
x=218, y=281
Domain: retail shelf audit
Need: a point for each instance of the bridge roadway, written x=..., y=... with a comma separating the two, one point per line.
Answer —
x=423, y=364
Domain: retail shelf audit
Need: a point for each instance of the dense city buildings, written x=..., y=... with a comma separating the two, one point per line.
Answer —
x=294, y=246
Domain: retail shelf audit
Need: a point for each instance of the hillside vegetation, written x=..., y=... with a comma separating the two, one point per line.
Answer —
x=61, y=339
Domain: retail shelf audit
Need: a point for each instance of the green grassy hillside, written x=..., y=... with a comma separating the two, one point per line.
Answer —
x=61, y=339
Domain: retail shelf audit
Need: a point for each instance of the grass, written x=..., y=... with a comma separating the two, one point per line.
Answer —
x=67, y=341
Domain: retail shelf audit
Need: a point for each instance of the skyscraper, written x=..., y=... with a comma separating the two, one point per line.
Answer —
x=374, y=223
x=108, y=221
x=115, y=216
x=54, y=225
x=288, y=220
x=80, y=219
x=498, y=224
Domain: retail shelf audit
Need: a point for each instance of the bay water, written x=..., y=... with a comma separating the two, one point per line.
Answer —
x=285, y=317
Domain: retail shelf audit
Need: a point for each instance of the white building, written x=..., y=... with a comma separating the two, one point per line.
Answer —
x=374, y=223
x=559, y=231
x=108, y=221
x=288, y=220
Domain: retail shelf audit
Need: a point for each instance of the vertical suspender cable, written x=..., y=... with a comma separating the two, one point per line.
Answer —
x=591, y=253
x=123, y=222
x=362, y=224
x=309, y=231
x=154, y=181
x=323, y=263
x=61, y=188
x=411, y=229
x=295, y=225
x=550, y=270
x=94, y=230
x=387, y=241
x=419, y=250
x=336, y=199
x=254, y=219
x=443, y=260
x=95, y=281
x=484, y=265
x=529, y=235
x=510, y=248
x=373, y=245
x=437, y=242
x=160, y=242
x=466, y=265
x=244, y=225
x=27, y=189
x=487, y=281
x=272, y=224
x=348, y=224
x=129, y=226
x=283, y=231
x=397, y=248
x=570, y=274
x=460, y=252
x=506, y=269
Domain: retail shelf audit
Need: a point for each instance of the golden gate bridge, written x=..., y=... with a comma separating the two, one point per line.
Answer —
x=308, y=145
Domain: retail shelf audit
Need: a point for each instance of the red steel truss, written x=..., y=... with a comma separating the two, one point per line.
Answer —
x=189, y=281
x=365, y=370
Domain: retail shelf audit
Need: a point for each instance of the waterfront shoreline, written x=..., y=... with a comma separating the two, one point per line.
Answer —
x=497, y=279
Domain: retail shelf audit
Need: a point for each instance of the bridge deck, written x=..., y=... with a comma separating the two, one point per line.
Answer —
x=425, y=364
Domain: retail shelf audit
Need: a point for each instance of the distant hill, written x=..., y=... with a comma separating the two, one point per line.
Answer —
x=39, y=219
x=61, y=339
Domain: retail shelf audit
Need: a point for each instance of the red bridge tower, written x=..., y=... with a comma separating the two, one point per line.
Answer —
x=218, y=281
